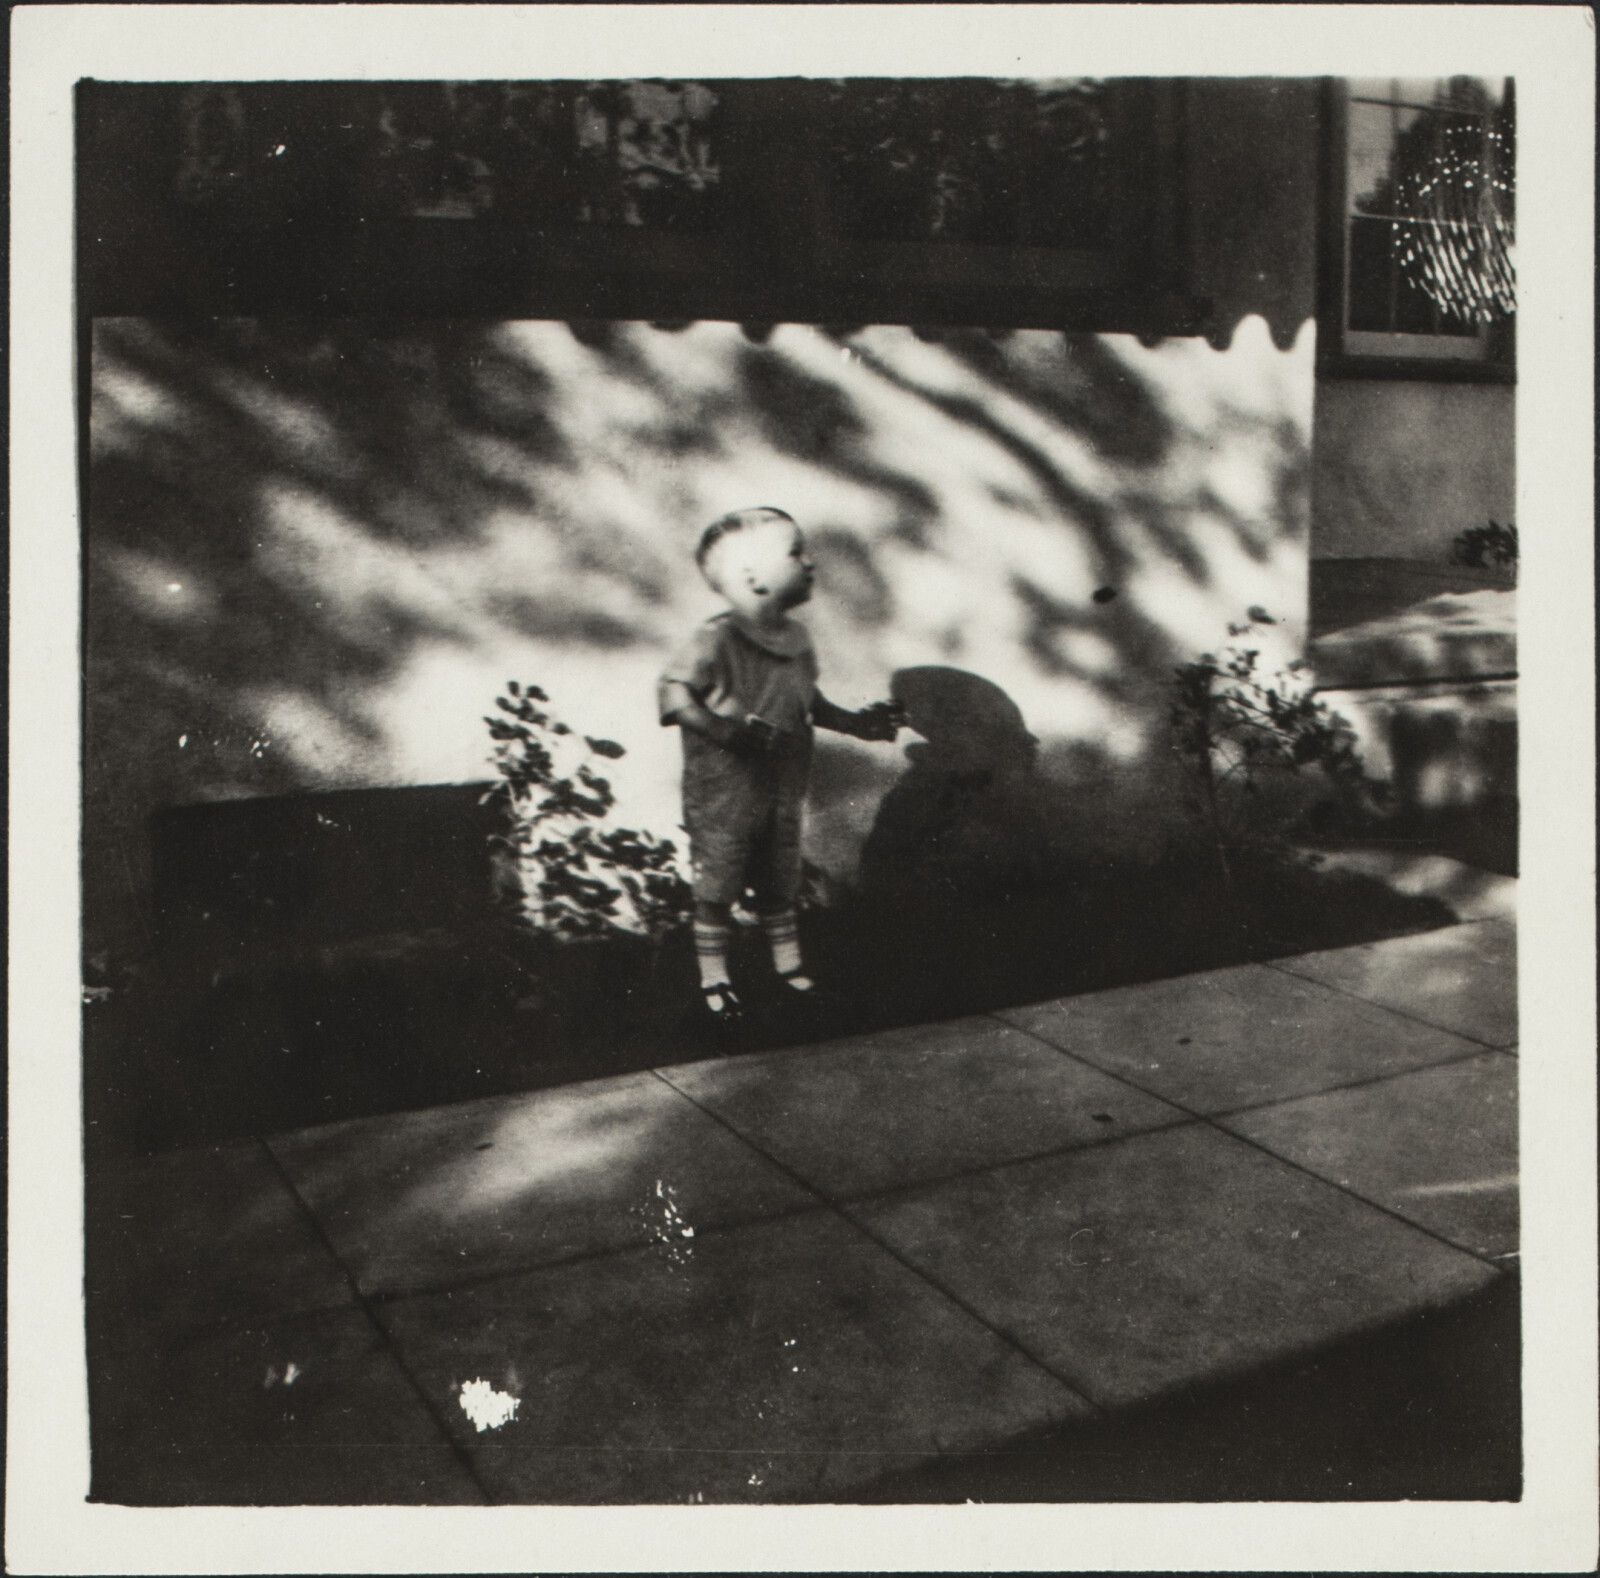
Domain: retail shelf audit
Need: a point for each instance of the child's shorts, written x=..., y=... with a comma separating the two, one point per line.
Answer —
x=743, y=820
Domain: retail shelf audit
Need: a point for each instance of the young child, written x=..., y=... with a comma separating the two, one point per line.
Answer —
x=744, y=693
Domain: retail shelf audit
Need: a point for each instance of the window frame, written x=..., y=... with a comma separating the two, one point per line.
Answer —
x=1345, y=353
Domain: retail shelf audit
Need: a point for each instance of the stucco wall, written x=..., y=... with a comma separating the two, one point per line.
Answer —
x=317, y=553
x=1399, y=468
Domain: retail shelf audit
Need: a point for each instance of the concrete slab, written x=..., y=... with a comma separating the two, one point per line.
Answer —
x=1461, y=978
x=230, y=1414
x=199, y=1236
x=1235, y=1038
x=1447, y=749
x=427, y=1199
x=1438, y=1146
x=775, y=1361
x=1167, y=1258
x=1456, y=635
x=921, y=1102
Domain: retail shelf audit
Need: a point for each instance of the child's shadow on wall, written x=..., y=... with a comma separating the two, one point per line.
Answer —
x=964, y=821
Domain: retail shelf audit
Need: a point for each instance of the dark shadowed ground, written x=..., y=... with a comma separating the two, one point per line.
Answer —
x=1414, y=1413
x=278, y=1038
x=1418, y=1412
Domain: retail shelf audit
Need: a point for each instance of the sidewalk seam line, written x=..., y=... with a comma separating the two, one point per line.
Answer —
x=385, y=1296
x=805, y=1049
x=489, y=1278
x=222, y=1325
x=979, y=1169
x=1401, y=1013
x=458, y=1451
x=1287, y=1161
x=1361, y=1084
x=839, y=1211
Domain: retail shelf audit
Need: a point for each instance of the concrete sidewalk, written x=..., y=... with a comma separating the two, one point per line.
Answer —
x=785, y=1275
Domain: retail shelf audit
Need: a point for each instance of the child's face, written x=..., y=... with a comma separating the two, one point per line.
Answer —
x=765, y=566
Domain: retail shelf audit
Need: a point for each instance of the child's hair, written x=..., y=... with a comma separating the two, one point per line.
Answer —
x=735, y=521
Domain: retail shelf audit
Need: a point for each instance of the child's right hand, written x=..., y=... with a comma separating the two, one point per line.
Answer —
x=881, y=721
x=751, y=736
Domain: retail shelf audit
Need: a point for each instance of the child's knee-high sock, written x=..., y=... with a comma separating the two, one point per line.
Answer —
x=783, y=933
x=711, y=951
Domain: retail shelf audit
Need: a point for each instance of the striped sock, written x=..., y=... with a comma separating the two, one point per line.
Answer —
x=783, y=933
x=711, y=952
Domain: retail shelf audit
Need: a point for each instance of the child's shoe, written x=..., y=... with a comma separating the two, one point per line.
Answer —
x=812, y=1007
x=722, y=1006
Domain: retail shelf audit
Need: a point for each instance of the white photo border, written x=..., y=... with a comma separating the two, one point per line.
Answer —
x=1550, y=49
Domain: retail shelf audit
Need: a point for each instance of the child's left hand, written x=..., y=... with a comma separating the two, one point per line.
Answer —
x=881, y=721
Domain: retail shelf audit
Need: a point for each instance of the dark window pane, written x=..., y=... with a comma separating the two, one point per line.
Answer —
x=645, y=154
x=1372, y=273
x=1066, y=166
x=1415, y=312
x=628, y=153
x=1452, y=324
x=1369, y=134
x=1473, y=95
x=882, y=157
x=984, y=162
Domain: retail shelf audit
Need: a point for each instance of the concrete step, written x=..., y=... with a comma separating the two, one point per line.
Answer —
x=1438, y=746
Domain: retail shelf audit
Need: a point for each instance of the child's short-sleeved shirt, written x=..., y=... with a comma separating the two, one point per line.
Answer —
x=743, y=812
x=733, y=669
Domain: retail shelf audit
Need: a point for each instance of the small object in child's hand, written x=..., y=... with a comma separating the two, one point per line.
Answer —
x=1104, y=594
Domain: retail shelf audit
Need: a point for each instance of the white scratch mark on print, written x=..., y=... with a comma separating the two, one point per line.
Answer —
x=1074, y=1243
x=485, y=1407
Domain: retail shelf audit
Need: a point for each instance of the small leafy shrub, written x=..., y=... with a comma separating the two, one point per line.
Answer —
x=1491, y=547
x=1258, y=746
x=579, y=876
